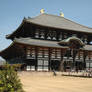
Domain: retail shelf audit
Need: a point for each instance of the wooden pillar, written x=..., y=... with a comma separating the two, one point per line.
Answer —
x=74, y=59
x=25, y=57
x=89, y=60
x=45, y=34
x=79, y=55
x=49, y=56
x=75, y=51
x=61, y=61
x=56, y=35
x=84, y=59
x=62, y=36
x=25, y=54
x=36, y=58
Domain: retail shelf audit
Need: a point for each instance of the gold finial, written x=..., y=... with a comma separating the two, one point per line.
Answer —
x=61, y=14
x=42, y=11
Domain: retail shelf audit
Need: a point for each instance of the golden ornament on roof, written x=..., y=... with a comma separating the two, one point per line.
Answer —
x=42, y=11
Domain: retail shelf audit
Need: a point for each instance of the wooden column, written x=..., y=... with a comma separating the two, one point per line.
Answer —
x=49, y=56
x=63, y=51
x=62, y=36
x=84, y=59
x=74, y=59
x=61, y=61
x=36, y=58
x=24, y=55
x=89, y=59
x=25, y=58
x=45, y=34
x=75, y=51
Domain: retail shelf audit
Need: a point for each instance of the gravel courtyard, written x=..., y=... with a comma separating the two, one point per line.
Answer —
x=46, y=82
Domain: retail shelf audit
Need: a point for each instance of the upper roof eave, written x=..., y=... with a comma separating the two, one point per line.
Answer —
x=55, y=23
x=9, y=35
x=58, y=28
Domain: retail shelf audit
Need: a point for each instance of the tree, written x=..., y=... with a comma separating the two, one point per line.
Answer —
x=9, y=81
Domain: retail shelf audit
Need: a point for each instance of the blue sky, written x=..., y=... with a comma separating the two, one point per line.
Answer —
x=12, y=13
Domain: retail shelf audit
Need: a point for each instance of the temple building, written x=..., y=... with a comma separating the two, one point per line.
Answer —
x=49, y=42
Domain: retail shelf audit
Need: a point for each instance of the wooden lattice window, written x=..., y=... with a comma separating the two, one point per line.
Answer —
x=65, y=35
x=60, y=36
x=53, y=35
x=42, y=35
x=37, y=33
x=49, y=35
x=85, y=39
x=74, y=35
x=28, y=52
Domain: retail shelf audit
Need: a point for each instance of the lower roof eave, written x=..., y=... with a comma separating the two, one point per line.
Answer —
x=62, y=47
x=12, y=49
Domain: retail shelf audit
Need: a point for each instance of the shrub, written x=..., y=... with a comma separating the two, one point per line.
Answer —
x=9, y=81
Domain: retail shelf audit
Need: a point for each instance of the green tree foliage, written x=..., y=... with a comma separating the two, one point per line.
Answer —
x=9, y=81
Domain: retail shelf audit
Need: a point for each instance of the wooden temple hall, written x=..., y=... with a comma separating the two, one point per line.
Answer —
x=49, y=42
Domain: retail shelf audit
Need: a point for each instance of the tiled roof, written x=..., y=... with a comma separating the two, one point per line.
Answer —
x=37, y=42
x=53, y=21
x=58, y=22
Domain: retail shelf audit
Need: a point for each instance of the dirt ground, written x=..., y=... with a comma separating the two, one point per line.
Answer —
x=46, y=82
